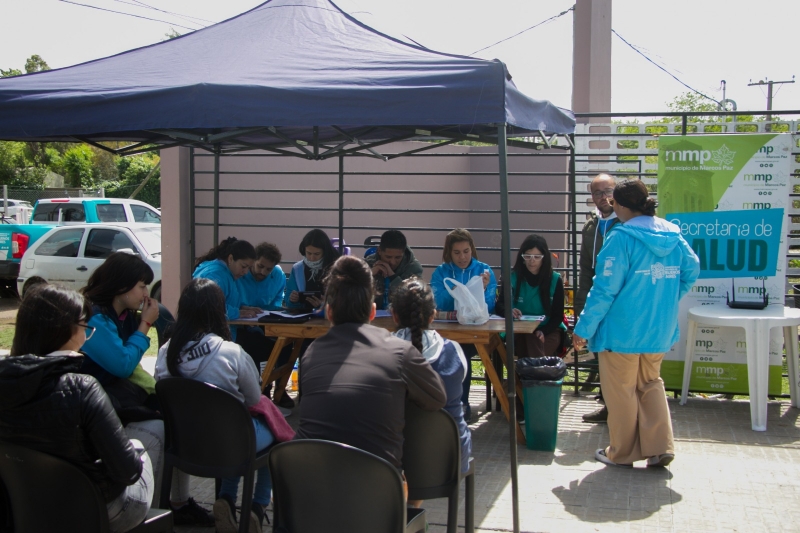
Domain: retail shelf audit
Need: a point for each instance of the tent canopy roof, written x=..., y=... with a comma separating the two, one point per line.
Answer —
x=288, y=73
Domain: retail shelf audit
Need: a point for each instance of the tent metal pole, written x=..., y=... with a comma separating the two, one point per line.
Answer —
x=505, y=260
x=216, y=195
x=573, y=235
x=192, y=229
x=341, y=204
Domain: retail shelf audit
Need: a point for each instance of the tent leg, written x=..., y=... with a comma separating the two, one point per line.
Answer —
x=341, y=204
x=502, y=156
x=216, y=195
x=192, y=230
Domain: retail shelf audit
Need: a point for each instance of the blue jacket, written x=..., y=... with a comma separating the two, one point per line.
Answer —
x=643, y=270
x=218, y=272
x=116, y=347
x=266, y=294
x=444, y=302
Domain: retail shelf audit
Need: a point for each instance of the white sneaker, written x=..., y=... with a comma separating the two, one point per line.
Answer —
x=660, y=460
x=601, y=456
x=284, y=411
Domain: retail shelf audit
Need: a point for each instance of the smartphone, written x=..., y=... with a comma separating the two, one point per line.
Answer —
x=304, y=295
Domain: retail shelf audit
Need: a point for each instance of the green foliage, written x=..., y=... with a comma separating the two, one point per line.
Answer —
x=10, y=73
x=35, y=63
x=77, y=166
x=132, y=171
x=172, y=33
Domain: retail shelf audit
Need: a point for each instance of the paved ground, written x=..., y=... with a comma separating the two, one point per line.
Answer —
x=725, y=477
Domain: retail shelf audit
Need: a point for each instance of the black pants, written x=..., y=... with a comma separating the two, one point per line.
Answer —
x=258, y=347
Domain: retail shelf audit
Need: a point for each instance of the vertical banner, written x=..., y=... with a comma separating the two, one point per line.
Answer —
x=729, y=195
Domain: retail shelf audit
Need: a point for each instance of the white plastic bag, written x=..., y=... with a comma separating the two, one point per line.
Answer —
x=470, y=305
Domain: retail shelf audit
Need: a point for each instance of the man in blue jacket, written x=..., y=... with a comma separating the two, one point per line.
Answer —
x=264, y=285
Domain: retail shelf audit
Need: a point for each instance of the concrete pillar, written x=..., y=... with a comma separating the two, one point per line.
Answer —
x=176, y=263
x=591, y=58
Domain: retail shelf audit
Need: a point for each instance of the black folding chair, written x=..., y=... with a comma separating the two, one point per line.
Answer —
x=48, y=494
x=432, y=463
x=209, y=433
x=320, y=485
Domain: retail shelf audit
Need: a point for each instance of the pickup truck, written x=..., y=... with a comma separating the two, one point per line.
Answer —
x=15, y=239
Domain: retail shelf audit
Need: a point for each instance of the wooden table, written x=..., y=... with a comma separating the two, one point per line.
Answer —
x=485, y=337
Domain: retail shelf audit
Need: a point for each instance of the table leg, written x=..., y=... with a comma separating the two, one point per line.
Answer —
x=280, y=386
x=498, y=386
x=757, y=338
x=280, y=342
x=691, y=334
x=790, y=343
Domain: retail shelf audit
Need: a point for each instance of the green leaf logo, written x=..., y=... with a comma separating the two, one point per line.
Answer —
x=723, y=156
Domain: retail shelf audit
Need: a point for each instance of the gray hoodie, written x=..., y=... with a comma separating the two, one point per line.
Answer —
x=218, y=362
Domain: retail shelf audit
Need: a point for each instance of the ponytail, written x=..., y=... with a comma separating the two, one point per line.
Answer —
x=413, y=305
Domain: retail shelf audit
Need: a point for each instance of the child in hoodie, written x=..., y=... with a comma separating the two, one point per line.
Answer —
x=413, y=310
x=201, y=349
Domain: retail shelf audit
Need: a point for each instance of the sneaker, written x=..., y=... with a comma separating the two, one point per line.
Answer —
x=285, y=401
x=597, y=417
x=191, y=514
x=600, y=455
x=285, y=412
x=660, y=460
x=257, y=516
x=225, y=515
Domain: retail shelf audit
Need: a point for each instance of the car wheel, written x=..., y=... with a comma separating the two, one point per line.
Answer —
x=157, y=293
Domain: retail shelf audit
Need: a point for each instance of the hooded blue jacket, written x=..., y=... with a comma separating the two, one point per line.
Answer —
x=444, y=302
x=643, y=270
x=218, y=272
x=267, y=293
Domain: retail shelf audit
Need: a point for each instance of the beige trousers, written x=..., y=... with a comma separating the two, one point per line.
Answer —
x=638, y=415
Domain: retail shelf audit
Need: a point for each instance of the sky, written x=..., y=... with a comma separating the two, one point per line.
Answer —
x=701, y=42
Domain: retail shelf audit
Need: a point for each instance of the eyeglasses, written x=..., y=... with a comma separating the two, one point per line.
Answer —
x=532, y=257
x=89, y=330
x=604, y=192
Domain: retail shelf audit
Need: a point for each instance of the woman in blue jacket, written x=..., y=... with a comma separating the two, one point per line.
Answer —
x=631, y=319
x=460, y=262
x=307, y=275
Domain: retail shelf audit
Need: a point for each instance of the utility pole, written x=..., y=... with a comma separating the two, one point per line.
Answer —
x=769, y=84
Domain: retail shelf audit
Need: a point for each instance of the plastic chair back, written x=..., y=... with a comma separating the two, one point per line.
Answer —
x=431, y=453
x=372, y=242
x=326, y=486
x=208, y=430
x=48, y=494
x=345, y=249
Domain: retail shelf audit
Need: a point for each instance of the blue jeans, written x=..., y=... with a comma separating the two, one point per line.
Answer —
x=262, y=493
x=129, y=509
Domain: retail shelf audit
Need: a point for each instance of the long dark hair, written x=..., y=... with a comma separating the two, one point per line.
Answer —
x=319, y=239
x=634, y=195
x=239, y=249
x=350, y=292
x=118, y=274
x=413, y=305
x=47, y=318
x=545, y=271
x=201, y=310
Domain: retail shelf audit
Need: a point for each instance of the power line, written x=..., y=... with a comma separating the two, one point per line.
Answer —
x=148, y=6
x=523, y=31
x=635, y=49
x=128, y=14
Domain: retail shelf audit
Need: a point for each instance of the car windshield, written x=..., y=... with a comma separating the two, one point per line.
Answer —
x=150, y=239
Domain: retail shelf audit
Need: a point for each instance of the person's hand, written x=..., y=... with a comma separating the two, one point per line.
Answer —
x=247, y=312
x=486, y=278
x=516, y=313
x=578, y=342
x=150, y=310
x=382, y=269
x=315, y=302
x=294, y=297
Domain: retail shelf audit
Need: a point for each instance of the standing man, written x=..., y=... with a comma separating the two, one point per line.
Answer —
x=264, y=285
x=356, y=378
x=593, y=233
x=392, y=263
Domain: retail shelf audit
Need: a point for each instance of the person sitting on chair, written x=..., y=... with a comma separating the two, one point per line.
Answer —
x=391, y=263
x=201, y=349
x=47, y=404
x=356, y=378
x=263, y=287
x=413, y=310
x=307, y=275
x=537, y=290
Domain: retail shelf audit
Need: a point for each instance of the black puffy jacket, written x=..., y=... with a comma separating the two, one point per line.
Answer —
x=45, y=405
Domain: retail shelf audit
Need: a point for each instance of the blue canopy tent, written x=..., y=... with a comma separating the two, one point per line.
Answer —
x=296, y=77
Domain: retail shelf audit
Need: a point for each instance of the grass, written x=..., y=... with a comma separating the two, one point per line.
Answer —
x=7, y=337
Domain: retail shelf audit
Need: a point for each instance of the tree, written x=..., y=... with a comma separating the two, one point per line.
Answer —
x=35, y=63
x=77, y=166
x=171, y=34
x=10, y=72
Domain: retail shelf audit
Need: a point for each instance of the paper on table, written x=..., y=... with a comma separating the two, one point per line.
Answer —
x=276, y=313
x=532, y=318
x=491, y=317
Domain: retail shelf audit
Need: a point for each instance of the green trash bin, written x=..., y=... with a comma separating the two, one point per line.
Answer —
x=542, y=401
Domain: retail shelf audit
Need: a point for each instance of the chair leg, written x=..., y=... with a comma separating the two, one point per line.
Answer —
x=469, y=504
x=452, y=511
x=247, y=501
x=166, y=482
